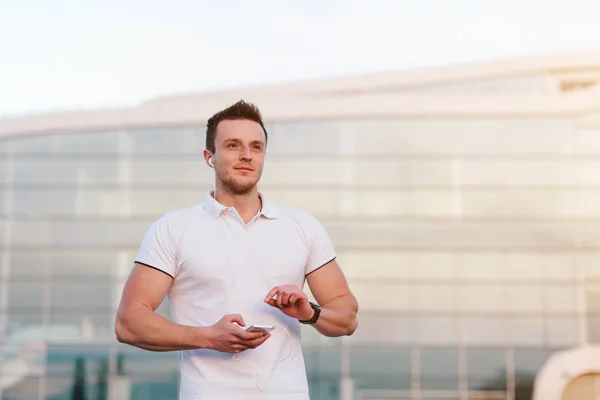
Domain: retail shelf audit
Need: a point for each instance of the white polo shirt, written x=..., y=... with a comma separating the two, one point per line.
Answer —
x=222, y=266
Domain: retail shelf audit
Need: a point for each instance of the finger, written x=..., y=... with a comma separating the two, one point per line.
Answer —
x=281, y=297
x=271, y=293
x=285, y=299
x=293, y=298
x=258, y=341
x=235, y=318
x=272, y=303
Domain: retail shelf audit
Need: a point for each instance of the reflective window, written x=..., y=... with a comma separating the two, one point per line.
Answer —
x=88, y=143
x=156, y=202
x=482, y=299
x=61, y=171
x=525, y=331
x=377, y=328
x=30, y=233
x=99, y=233
x=439, y=368
x=426, y=330
x=168, y=141
x=529, y=173
x=380, y=264
x=562, y=332
x=25, y=302
x=381, y=368
x=83, y=265
x=44, y=202
x=481, y=267
x=434, y=297
x=171, y=172
x=561, y=299
x=306, y=138
x=528, y=361
x=484, y=330
x=32, y=144
x=383, y=296
x=486, y=369
x=466, y=136
x=524, y=299
x=27, y=265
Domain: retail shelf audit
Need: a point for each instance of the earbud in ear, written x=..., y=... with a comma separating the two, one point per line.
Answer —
x=210, y=162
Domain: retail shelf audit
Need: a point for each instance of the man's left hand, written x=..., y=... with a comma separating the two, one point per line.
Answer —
x=291, y=300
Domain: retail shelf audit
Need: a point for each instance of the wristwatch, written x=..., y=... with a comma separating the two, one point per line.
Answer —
x=315, y=316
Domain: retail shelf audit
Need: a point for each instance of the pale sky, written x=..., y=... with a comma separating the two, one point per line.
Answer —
x=74, y=54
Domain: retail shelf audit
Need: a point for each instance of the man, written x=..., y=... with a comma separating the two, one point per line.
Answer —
x=232, y=261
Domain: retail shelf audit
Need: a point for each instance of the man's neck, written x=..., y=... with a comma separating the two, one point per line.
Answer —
x=247, y=205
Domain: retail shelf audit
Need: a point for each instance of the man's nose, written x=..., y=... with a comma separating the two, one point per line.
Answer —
x=246, y=154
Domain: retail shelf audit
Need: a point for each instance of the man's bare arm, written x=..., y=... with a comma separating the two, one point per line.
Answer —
x=339, y=307
x=139, y=325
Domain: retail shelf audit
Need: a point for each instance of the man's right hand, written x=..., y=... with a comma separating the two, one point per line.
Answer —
x=227, y=337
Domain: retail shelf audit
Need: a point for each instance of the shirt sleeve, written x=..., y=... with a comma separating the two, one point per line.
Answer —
x=158, y=248
x=320, y=246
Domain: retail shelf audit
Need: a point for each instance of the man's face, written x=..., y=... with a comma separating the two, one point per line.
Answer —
x=239, y=154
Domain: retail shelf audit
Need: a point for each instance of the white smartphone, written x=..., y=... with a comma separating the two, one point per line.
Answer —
x=260, y=328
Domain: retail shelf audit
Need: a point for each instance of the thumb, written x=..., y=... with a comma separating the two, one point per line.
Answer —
x=235, y=318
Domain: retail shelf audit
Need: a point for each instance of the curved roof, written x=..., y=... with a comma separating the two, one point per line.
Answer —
x=567, y=86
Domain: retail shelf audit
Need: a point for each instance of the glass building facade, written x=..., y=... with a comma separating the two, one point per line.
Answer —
x=472, y=245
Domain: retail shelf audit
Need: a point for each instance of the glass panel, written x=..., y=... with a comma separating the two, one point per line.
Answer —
x=439, y=368
x=88, y=143
x=305, y=138
x=99, y=233
x=371, y=173
x=528, y=362
x=525, y=299
x=381, y=296
x=490, y=331
x=193, y=171
x=562, y=332
x=83, y=323
x=28, y=389
x=31, y=233
x=391, y=265
x=83, y=265
x=26, y=294
x=456, y=136
x=434, y=297
x=525, y=331
x=168, y=141
x=561, y=299
x=481, y=267
x=44, y=202
x=71, y=368
x=482, y=299
x=56, y=170
x=524, y=267
x=383, y=328
x=486, y=369
x=379, y=203
x=381, y=367
x=427, y=330
x=33, y=144
x=27, y=265
x=530, y=173
x=158, y=202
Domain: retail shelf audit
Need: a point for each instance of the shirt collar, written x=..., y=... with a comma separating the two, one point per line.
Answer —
x=214, y=208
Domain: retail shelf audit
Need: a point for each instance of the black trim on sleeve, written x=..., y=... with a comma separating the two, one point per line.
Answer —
x=316, y=269
x=158, y=269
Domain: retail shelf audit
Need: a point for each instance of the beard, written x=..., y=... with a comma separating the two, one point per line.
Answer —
x=236, y=186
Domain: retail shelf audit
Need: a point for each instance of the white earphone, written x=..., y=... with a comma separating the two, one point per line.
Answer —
x=210, y=162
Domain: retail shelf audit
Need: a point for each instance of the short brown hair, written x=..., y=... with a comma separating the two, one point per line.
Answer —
x=239, y=110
